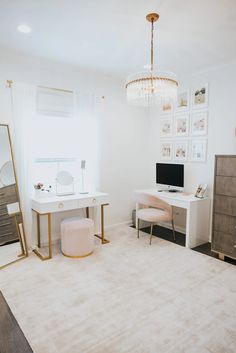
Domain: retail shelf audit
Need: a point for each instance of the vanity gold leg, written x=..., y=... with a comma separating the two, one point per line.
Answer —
x=38, y=231
x=103, y=240
x=50, y=235
x=43, y=258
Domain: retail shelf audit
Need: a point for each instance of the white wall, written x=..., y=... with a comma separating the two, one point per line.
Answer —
x=221, y=124
x=123, y=129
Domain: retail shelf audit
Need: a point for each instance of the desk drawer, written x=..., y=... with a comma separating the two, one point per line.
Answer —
x=93, y=201
x=58, y=206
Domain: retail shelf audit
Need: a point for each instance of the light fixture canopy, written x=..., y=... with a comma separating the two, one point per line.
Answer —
x=151, y=87
x=24, y=28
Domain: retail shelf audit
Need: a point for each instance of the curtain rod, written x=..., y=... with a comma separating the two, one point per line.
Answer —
x=56, y=89
x=10, y=83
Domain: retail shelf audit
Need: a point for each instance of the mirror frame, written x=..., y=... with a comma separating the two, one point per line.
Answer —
x=21, y=233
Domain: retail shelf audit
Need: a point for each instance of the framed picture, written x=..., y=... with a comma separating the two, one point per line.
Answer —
x=167, y=108
x=199, y=123
x=201, y=190
x=198, y=150
x=181, y=151
x=166, y=150
x=183, y=100
x=166, y=127
x=181, y=124
x=200, y=96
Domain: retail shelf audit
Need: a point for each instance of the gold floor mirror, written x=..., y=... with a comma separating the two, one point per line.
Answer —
x=13, y=246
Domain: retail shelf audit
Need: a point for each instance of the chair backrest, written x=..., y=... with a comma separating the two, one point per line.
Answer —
x=152, y=201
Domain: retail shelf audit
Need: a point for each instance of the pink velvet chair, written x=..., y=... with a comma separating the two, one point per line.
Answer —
x=154, y=211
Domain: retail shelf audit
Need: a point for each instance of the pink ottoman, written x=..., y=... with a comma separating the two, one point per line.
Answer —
x=77, y=237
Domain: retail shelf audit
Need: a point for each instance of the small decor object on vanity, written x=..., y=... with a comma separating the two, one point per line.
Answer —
x=41, y=190
x=83, y=191
x=224, y=207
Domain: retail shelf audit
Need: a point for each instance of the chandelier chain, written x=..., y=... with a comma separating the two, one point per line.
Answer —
x=152, y=45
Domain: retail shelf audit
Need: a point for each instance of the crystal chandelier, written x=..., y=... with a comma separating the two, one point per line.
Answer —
x=151, y=87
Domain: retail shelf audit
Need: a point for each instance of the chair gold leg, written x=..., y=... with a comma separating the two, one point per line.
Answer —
x=173, y=229
x=151, y=234
x=138, y=229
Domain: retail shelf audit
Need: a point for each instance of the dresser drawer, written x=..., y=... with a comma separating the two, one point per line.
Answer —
x=9, y=237
x=92, y=201
x=226, y=166
x=225, y=186
x=7, y=227
x=224, y=243
x=8, y=194
x=224, y=223
x=58, y=206
x=225, y=205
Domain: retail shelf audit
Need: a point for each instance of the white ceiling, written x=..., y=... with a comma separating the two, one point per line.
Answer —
x=113, y=36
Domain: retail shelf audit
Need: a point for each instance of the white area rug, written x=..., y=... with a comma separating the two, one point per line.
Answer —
x=129, y=297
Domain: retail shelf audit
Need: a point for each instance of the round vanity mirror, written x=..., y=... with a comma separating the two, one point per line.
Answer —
x=64, y=178
x=7, y=174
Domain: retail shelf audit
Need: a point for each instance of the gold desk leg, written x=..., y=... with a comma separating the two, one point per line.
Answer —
x=38, y=232
x=43, y=258
x=103, y=240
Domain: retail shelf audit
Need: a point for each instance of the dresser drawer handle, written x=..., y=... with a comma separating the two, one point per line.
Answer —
x=5, y=224
x=94, y=200
x=60, y=205
x=235, y=246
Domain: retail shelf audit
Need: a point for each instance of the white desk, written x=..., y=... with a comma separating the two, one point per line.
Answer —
x=197, y=214
x=52, y=204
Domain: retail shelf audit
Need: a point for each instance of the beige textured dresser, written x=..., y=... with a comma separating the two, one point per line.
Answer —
x=224, y=207
x=8, y=230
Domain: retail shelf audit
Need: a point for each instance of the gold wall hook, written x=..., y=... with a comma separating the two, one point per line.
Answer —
x=9, y=83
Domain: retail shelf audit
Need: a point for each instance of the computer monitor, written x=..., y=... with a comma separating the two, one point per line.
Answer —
x=170, y=174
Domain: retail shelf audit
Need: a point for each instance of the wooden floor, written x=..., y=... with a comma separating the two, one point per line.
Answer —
x=12, y=339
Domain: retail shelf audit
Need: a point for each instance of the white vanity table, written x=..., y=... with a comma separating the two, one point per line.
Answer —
x=197, y=214
x=46, y=206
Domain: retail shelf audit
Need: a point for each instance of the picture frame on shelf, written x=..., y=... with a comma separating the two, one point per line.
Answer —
x=183, y=101
x=201, y=191
x=181, y=150
x=199, y=123
x=166, y=127
x=181, y=127
x=166, y=150
x=167, y=108
x=198, y=150
x=200, y=96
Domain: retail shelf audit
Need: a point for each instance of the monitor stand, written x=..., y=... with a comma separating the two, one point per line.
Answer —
x=172, y=190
